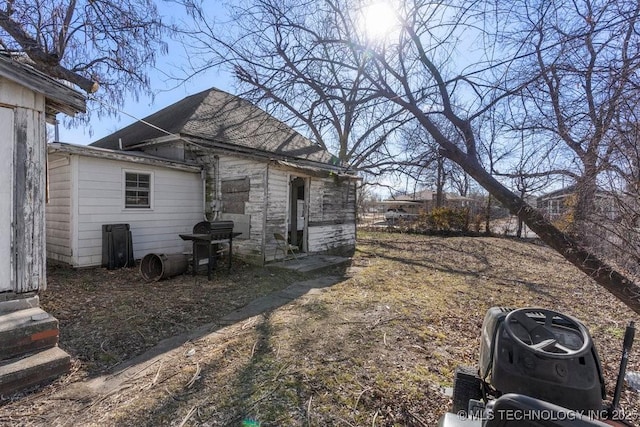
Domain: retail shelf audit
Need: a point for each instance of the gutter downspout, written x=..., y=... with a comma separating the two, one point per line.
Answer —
x=217, y=187
x=265, y=204
x=203, y=180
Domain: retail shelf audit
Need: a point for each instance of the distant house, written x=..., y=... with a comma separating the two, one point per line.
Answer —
x=554, y=205
x=256, y=171
x=424, y=200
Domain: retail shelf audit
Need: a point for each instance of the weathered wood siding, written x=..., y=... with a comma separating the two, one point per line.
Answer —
x=58, y=209
x=28, y=229
x=331, y=203
x=236, y=168
x=331, y=238
x=332, y=213
x=31, y=158
x=277, y=210
x=176, y=208
x=331, y=223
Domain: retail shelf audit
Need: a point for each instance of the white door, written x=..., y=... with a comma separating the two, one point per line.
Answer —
x=6, y=199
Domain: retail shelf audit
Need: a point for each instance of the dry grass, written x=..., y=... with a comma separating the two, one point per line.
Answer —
x=107, y=317
x=374, y=349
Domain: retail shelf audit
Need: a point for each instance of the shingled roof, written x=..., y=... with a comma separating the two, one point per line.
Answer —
x=221, y=118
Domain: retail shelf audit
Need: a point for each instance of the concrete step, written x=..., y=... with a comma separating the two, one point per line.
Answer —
x=26, y=331
x=312, y=263
x=23, y=372
x=11, y=305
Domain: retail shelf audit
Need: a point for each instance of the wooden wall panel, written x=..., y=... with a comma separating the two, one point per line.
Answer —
x=7, y=196
x=58, y=209
x=30, y=161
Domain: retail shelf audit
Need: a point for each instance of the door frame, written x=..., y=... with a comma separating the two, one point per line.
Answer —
x=297, y=184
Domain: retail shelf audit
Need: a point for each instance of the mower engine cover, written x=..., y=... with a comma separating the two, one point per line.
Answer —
x=543, y=354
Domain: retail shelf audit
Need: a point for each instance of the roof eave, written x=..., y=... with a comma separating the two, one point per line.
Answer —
x=317, y=170
x=59, y=96
x=106, y=153
x=241, y=150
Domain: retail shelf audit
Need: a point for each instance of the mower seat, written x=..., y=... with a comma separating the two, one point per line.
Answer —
x=517, y=410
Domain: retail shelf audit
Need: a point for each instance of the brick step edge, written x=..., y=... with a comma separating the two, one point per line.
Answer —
x=26, y=331
x=34, y=369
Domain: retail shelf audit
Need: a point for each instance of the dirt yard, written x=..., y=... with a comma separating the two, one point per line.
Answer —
x=375, y=349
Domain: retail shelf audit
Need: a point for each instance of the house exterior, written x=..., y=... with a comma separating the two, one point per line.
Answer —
x=557, y=204
x=425, y=201
x=258, y=172
x=90, y=187
x=28, y=340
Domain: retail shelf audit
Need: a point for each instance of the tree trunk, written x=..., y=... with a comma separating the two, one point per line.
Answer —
x=585, y=202
x=605, y=275
x=487, y=216
x=519, y=229
x=520, y=222
x=440, y=178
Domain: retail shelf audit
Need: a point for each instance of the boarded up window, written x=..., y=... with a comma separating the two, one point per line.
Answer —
x=235, y=193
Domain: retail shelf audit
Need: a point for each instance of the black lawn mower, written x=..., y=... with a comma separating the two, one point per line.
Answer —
x=537, y=368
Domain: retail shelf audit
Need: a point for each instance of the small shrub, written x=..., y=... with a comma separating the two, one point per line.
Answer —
x=477, y=222
x=442, y=219
x=566, y=221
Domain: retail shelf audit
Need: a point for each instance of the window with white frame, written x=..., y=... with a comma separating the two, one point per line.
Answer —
x=137, y=190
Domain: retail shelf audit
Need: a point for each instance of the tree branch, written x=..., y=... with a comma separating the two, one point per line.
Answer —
x=44, y=61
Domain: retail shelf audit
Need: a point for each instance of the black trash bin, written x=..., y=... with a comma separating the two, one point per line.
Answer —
x=117, y=246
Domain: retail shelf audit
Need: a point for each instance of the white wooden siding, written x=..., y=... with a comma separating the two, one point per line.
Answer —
x=329, y=237
x=58, y=208
x=331, y=215
x=6, y=206
x=177, y=208
x=331, y=222
x=331, y=208
x=331, y=201
x=277, y=211
x=278, y=207
x=316, y=199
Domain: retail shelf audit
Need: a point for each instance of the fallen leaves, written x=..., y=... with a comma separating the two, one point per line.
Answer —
x=376, y=349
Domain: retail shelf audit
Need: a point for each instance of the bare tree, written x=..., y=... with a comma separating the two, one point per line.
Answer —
x=617, y=207
x=586, y=53
x=460, y=181
x=90, y=43
x=366, y=202
x=530, y=168
x=421, y=163
x=414, y=71
x=427, y=166
x=282, y=69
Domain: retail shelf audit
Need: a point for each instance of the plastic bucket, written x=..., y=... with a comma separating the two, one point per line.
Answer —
x=162, y=266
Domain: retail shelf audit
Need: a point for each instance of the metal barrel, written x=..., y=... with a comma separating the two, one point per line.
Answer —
x=162, y=266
